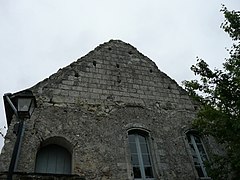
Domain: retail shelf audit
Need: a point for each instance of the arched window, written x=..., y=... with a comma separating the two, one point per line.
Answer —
x=140, y=155
x=198, y=153
x=53, y=159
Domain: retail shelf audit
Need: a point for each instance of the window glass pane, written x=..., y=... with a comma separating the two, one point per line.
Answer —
x=199, y=171
x=60, y=164
x=41, y=162
x=148, y=172
x=137, y=172
x=193, y=152
x=52, y=159
x=188, y=138
x=196, y=160
x=131, y=138
x=201, y=149
x=197, y=139
x=144, y=148
x=146, y=160
x=67, y=164
x=134, y=159
x=63, y=161
x=133, y=147
x=141, y=139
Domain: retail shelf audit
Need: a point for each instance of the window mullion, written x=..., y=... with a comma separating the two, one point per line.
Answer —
x=139, y=152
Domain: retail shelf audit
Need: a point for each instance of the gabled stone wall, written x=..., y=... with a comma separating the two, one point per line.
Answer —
x=89, y=106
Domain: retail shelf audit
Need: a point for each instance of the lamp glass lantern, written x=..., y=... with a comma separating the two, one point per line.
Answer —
x=25, y=106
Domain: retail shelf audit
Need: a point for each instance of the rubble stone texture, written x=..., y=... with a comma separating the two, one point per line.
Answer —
x=89, y=106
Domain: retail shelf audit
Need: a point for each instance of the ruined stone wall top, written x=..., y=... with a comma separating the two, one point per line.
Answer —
x=114, y=72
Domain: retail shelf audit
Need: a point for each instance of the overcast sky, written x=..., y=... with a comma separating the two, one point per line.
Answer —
x=37, y=37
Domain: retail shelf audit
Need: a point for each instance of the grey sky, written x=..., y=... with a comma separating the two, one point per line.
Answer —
x=39, y=37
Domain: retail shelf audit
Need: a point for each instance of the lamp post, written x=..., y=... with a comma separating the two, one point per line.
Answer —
x=22, y=104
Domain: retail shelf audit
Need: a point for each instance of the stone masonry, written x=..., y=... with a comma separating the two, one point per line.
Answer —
x=89, y=106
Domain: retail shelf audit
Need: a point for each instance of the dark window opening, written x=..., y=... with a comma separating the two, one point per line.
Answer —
x=53, y=159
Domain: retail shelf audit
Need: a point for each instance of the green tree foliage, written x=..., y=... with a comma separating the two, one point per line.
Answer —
x=218, y=91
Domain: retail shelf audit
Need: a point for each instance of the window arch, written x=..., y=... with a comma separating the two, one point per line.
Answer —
x=53, y=159
x=140, y=154
x=198, y=153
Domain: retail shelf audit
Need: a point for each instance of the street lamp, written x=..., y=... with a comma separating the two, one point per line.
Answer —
x=26, y=105
x=22, y=105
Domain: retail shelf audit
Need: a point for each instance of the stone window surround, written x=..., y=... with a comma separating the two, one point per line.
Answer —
x=152, y=149
x=58, y=140
x=48, y=157
x=137, y=134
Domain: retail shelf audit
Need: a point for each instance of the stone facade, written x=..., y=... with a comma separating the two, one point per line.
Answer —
x=89, y=106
